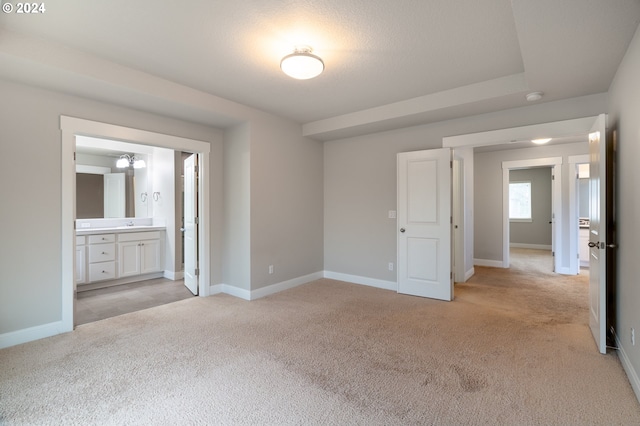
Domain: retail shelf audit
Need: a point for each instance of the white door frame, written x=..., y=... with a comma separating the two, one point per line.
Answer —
x=505, y=136
x=556, y=192
x=574, y=226
x=70, y=127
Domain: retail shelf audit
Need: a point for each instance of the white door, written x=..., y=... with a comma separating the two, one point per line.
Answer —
x=114, y=195
x=424, y=224
x=598, y=217
x=191, y=223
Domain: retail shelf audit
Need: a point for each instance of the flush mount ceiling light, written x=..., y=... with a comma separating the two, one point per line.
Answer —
x=127, y=160
x=534, y=96
x=302, y=64
x=541, y=141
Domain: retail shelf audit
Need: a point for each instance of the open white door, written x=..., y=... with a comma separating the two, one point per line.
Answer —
x=191, y=223
x=114, y=195
x=424, y=224
x=598, y=244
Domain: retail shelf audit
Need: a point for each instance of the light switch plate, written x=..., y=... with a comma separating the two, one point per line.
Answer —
x=392, y=214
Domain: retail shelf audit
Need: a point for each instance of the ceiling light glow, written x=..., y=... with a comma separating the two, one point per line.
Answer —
x=302, y=64
x=541, y=141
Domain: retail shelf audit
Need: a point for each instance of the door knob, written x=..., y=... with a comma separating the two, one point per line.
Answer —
x=591, y=244
x=402, y=229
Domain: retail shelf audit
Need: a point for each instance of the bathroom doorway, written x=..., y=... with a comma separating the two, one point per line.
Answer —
x=71, y=127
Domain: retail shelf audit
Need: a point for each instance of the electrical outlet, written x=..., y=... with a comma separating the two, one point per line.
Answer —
x=391, y=266
x=633, y=336
x=271, y=269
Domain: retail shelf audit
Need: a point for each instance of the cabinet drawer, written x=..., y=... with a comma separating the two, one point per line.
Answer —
x=102, y=238
x=137, y=236
x=102, y=271
x=102, y=252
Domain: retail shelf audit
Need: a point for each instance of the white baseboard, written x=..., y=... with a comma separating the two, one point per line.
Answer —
x=531, y=246
x=628, y=368
x=32, y=333
x=174, y=275
x=264, y=291
x=487, y=262
x=285, y=285
x=471, y=272
x=356, y=279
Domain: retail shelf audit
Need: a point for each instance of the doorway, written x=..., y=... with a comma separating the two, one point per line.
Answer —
x=73, y=126
x=555, y=219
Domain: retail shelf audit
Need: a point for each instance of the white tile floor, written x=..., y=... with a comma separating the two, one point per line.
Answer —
x=94, y=305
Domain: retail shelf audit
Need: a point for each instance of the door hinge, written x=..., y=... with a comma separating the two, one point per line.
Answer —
x=553, y=177
x=451, y=221
x=553, y=254
x=196, y=168
x=74, y=156
x=197, y=273
x=451, y=164
x=196, y=220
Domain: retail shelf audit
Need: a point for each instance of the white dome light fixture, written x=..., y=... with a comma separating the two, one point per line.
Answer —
x=302, y=64
x=534, y=96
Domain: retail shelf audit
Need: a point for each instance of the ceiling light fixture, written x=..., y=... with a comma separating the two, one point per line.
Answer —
x=127, y=160
x=534, y=96
x=541, y=141
x=302, y=64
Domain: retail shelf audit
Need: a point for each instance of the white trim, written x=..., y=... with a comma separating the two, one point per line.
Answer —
x=574, y=231
x=490, y=263
x=92, y=170
x=264, y=291
x=628, y=367
x=71, y=127
x=174, y=275
x=531, y=246
x=355, y=279
x=556, y=164
x=471, y=272
x=285, y=285
x=32, y=333
x=505, y=136
x=238, y=292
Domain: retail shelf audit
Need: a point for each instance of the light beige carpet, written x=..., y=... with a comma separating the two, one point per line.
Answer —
x=514, y=348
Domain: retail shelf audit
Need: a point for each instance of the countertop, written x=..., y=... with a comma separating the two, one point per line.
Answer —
x=119, y=229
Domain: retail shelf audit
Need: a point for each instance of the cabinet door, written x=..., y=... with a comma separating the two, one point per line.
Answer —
x=80, y=265
x=151, y=256
x=128, y=259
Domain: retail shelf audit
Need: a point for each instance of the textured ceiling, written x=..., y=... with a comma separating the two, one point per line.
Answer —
x=387, y=63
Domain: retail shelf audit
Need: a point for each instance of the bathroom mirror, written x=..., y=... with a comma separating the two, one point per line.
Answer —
x=105, y=191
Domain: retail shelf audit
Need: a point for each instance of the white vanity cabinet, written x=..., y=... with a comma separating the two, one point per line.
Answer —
x=81, y=262
x=139, y=253
x=101, y=257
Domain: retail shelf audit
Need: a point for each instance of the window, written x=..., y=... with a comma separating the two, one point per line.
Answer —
x=520, y=201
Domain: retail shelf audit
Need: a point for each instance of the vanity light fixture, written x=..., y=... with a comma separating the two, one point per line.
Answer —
x=540, y=141
x=127, y=160
x=302, y=64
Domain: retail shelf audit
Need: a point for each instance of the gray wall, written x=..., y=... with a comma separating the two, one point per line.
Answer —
x=360, y=185
x=286, y=202
x=30, y=254
x=624, y=113
x=538, y=231
x=266, y=198
x=488, y=196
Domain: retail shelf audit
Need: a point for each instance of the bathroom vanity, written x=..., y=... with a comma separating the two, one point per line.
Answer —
x=118, y=255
